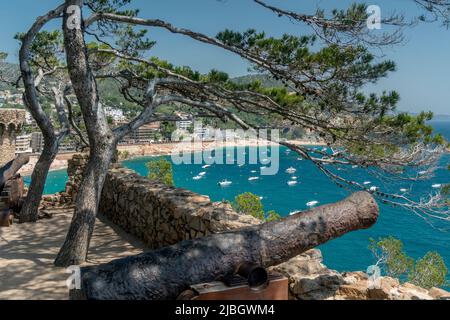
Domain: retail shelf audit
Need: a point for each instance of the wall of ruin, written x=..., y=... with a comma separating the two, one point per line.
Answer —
x=11, y=121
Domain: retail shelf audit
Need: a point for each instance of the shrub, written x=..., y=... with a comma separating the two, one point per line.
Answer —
x=161, y=170
x=124, y=155
x=430, y=271
x=390, y=255
x=427, y=272
x=272, y=216
x=249, y=203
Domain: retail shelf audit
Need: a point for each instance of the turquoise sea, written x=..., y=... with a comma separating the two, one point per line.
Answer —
x=347, y=253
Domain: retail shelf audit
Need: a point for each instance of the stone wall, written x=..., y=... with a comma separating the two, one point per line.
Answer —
x=11, y=121
x=157, y=214
x=162, y=215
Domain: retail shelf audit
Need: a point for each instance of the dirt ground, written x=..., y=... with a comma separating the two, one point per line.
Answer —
x=27, y=252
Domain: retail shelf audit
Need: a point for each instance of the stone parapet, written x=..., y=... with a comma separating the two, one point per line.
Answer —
x=161, y=215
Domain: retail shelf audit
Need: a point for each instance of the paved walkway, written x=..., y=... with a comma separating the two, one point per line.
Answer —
x=27, y=252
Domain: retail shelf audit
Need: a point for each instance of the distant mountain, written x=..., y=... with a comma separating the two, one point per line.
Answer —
x=436, y=117
x=441, y=117
x=8, y=68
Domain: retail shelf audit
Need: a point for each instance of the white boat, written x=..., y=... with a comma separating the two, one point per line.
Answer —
x=206, y=166
x=403, y=190
x=225, y=183
x=201, y=174
x=354, y=167
x=265, y=161
x=436, y=186
x=263, y=168
x=373, y=189
x=292, y=183
x=421, y=173
x=291, y=170
x=294, y=212
x=253, y=178
x=197, y=178
x=366, y=183
x=312, y=203
x=261, y=198
x=253, y=171
x=294, y=178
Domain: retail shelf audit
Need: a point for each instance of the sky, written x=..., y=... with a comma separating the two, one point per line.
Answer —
x=423, y=65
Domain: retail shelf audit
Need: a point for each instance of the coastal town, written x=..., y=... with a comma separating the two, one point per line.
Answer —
x=151, y=139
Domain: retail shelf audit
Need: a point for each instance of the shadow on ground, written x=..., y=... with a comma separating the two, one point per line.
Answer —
x=27, y=252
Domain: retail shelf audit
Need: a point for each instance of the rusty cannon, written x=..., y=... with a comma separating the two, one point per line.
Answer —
x=164, y=273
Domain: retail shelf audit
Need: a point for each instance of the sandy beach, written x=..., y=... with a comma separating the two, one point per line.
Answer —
x=163, y=149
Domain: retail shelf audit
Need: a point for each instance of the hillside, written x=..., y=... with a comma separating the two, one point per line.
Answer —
x=266, y=80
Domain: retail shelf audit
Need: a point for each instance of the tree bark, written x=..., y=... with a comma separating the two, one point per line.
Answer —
x=101, y=140
x=163, y=274
x=29, y=212
x=9, y=170
x=75, y=248
x=30, y=209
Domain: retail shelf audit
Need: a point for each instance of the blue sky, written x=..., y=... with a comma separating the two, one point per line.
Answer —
x=422, y=79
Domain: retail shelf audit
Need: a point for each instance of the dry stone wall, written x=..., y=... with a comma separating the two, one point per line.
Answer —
x=155, y=213
x=162, y=215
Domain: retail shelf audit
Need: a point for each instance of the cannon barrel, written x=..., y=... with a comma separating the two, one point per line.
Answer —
x=257, y=276
x=164, y=273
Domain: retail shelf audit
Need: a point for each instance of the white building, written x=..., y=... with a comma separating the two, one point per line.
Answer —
x=203, y=133
x=23, y=144
x=28, y=118
x=116, y=114
x=184, y=124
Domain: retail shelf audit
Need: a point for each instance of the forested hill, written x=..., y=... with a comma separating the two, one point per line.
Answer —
x=8, y=68
x=266, y=81
x=111, y=95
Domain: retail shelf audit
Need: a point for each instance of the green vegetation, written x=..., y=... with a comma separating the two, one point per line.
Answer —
x=249, y=203
x=124, y=155
x=161, y=170
x=427, y=272
x=167, y=128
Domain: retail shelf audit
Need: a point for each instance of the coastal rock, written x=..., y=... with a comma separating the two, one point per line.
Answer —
x=308, y=278
x=438, y=294
x=409, y=291
x=383, y=290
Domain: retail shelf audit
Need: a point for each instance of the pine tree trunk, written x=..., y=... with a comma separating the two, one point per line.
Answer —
x=30, y=209
x=101, y=140
x=75, y=248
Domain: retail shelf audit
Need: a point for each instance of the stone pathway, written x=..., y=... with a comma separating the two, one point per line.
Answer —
x=27, y=252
